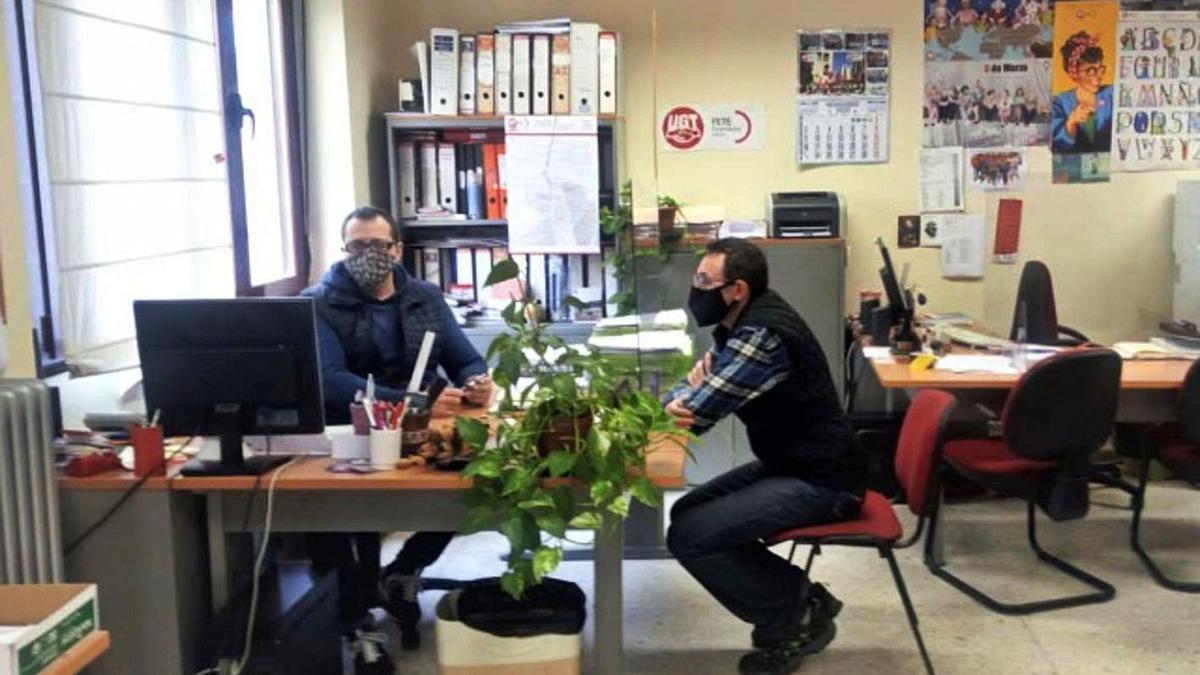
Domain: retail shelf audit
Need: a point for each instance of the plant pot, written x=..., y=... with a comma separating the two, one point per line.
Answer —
x=666, y=218
x=559, y=433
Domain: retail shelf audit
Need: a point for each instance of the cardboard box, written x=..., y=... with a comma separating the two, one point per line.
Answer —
x=38, y=623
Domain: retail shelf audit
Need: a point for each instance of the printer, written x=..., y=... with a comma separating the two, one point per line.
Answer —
x=806, y=214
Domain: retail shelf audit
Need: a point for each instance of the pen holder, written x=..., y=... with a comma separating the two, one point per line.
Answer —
x=385, y=448
x=358, y=418
x=414, y=432
x=351, y=446
x=148, y=451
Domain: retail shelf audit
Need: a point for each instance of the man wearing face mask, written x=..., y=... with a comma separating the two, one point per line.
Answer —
x=371, y=319
x=767, y=368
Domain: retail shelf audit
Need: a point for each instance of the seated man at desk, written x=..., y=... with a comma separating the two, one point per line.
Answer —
x=371, y=319
x=767, y=368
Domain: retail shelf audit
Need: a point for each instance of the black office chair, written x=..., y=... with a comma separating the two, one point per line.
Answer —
x=1035, y=309
x=1060, y=412
x=1181, y=454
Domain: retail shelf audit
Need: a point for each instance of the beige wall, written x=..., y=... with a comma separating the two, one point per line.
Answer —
x=1108, y=245
x=353, y=60
x=12, y=237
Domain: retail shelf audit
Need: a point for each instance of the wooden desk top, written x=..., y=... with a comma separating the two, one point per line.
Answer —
x=83, y=654
x=1144, y=374
x=664, y=465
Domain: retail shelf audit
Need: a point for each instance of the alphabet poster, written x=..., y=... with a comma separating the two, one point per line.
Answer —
x=1081, y=116
x=1157, y=122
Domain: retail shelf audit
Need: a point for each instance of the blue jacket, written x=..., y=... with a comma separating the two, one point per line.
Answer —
x=1064, y=104
x=347, y=341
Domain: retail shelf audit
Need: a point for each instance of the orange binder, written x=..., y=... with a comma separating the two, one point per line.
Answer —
x=501, y=162
x=491, y=181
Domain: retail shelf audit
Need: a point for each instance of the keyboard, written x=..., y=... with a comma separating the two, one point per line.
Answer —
x=970, y=338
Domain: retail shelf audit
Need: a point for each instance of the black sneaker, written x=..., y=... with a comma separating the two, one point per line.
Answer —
x=812, y=633
x=369, y=649
x=400, y=600
x=829, y=607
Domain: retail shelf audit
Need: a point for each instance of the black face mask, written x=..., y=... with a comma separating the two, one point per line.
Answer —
x=707, y=305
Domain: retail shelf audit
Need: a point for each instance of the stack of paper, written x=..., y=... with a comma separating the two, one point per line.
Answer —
x=972, y=363
x=656, y=342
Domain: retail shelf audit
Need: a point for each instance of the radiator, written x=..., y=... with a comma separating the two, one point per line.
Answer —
x=30, y=539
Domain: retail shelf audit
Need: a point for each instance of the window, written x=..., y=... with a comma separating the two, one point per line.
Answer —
x=262, y=131
x=165, y=146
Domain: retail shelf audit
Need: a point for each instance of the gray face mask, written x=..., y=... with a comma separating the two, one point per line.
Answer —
x=370, y=268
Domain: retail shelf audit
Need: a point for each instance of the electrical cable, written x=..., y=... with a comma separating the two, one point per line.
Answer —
x=262, y=554
x=112, y=510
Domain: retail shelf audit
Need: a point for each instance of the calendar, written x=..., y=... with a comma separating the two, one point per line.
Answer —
x=842, y=131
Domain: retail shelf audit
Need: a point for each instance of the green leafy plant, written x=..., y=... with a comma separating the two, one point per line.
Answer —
x=533, y=496
x=618, y=223
x=668, y=202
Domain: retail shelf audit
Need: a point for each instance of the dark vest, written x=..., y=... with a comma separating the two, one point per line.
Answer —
x=797, y=428
x=420, y=304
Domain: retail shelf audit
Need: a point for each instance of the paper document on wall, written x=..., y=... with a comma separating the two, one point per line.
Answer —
x=553, y=173
x=942, y=179
x=963, y=247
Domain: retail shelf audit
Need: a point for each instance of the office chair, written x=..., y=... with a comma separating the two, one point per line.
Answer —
x=1035, y=309
x=1060, y=411
x=1182, y=457
x=876, y=525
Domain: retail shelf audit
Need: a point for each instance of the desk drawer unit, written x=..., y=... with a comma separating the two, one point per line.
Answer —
x=30, y=547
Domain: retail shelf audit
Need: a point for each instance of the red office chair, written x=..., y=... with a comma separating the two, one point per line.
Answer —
x=1182, y=457
x=1060, y=412
x=1035, y=309
x=876, y=526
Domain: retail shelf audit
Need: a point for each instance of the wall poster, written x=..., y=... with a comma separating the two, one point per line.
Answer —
x=1081, y=125
x=1157, y=120
x=987, y=73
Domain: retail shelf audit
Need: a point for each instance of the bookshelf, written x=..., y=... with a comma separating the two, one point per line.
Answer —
x=450, y=233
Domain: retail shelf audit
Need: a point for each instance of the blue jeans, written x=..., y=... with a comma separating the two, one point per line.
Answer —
x=717, y=533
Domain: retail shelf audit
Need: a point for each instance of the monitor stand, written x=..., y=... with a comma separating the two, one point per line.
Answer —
x=233, y=461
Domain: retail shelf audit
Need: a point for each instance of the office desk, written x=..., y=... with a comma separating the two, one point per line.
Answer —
x=1148, y=388
x=308, y=498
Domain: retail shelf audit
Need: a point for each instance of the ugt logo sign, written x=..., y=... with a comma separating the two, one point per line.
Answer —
x=683, y=127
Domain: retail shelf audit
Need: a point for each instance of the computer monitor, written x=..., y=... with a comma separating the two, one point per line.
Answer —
x=228, y=368
x=891, y=283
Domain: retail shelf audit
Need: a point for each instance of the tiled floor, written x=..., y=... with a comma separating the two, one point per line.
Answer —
x=673, y=626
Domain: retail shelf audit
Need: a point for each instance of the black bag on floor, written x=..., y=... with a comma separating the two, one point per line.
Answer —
x=553, y=606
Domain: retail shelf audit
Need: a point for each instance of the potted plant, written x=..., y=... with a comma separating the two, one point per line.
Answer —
x=574, y=455
x=668, y=209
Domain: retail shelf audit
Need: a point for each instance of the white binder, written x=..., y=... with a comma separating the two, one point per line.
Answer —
x=520, y=75
x=407, y=167
x=447, y=177
x=466, y=75
x=540, y=65
x=585, y=71
x=485, y=74
x=429, y=175
x=504, y=73
x=443, y=71
x=607, y=52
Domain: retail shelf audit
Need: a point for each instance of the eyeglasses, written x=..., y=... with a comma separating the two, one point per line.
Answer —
x=356, y=246
x=702, y=282
x=1094, y=71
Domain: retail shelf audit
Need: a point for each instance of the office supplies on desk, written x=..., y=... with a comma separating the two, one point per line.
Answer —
x=148, y=450
x=970, y=338
x=976, y=363
x=443, y=71
x=418, y=373
x=384, y=446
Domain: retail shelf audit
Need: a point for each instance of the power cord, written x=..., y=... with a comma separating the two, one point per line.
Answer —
x=262, y=554
x=112, y=510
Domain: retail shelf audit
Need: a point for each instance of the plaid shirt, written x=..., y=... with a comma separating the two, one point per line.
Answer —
x=752, y=362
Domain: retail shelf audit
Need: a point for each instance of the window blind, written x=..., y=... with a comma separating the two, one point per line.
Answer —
x=138, y=201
